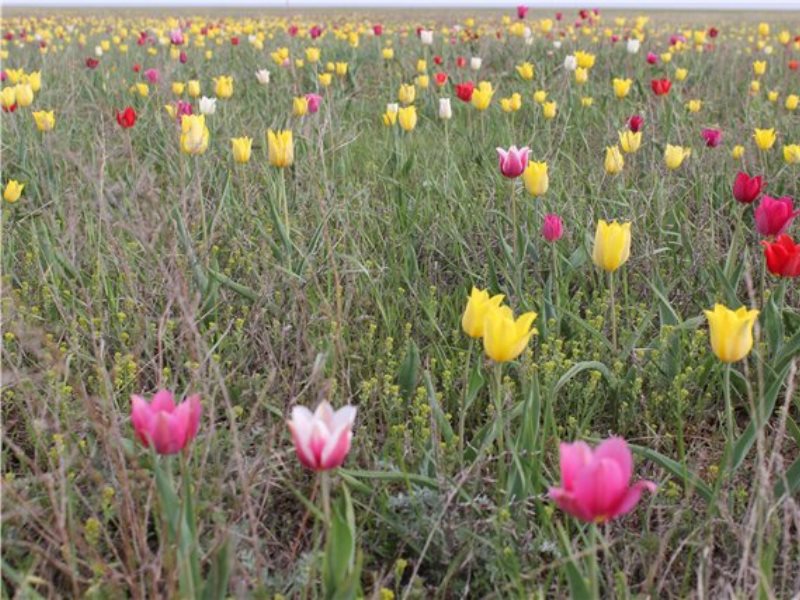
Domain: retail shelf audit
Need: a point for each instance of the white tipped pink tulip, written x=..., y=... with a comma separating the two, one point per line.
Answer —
x=513, y=161
x=322, y=438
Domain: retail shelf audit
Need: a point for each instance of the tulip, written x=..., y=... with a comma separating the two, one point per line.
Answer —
x=713, y=137
x=612, y=245
x=540, y=96
x=570, y=62
x=45, y=120
x=633, y=46
x=511, y=104
x=505, y=338
x=91, y=63
x=774, y=215
x=34, y=79
x=651, y=58
x=24, y=95
x=525, y=71
x=680, y=74
x=341, y=69
x=621, y=87
x=694, y=106
x=791, y=154
x=389, y=118
x=549, y=110
x=322, y=438
x=512, y=161
x=792, y=101
x=262, y=76
x=194, y=134
x=478, y=305
x=223, y=87
x=552, y=228
x=445, y=110
x=407, y=93
x=765, y=138
x=635, y=123
x=772, y=96
x=630, y=141
x=581, y=75
x=731, y=332
x=407, y=116
x=440, y=79
x=465, y=90
x=482, y=95
x=614, y=162
x=162, y=425
x=241, y=147
x=675, y=155
x=314, y=101
x=208, y=106
x=426, y=37
x=176, y=37
x=127, y=118
x=387, y=53
x=325, y=79
x=299, y=106
x=193, y=88
x=595, y=484
x=660, y=86
x=392, y=107
x=280, y=148
x=312, y=55
x=746, y=189
x=8, y=99
x=475, y=63
x=759, y=67
x=587, y=101
x=783, y=256
x=13, y=191
x=152, y=75
x=422, y=65
x=585, y=59
x=521, y=12
x=737, y=152
x=536, y=179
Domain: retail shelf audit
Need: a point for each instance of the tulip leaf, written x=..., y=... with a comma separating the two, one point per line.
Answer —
x=216, y=585
x=408, y=375
x=578, y=368
x=476, y=383
x=790, y=483
x=441, y=420
x=690, y=480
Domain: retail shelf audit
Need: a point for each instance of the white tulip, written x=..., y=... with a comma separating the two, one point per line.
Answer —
x=475, y=63
x=570, y=63
x=262, y=75
x=208, y=106
x=633, y=45
x=445, y=110
x=557, y=44
x=98, y=51
x=392, y=107
x=426, y=37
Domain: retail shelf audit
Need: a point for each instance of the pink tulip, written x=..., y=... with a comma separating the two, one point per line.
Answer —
x=595, y=484
x=651, y=58
x=746, y=188
x=164, y=426
x=322, y=438
x=314, y=100
x=774, y=215
x=183, y=57
x=152, y=75
x=522, y=10
x=713, y=137
x=513, y=161
x=176, y=37
x=553, y=228
x=315, y=32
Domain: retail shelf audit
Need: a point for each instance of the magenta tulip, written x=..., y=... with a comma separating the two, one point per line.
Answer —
x=513, y=161
x=152, y=75
x=713, y=137
x=162, y=425
x=595, y=484
x=746, y=189
x=322, y=438
x=522, y=10
x=314, y=100
x=774, y=215
x=553, y=228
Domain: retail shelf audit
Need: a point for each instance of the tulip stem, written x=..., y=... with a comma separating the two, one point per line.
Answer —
x=594, y=574
x=285, y=204
x=325, y=486
x=515, y=241
x=463, y=416
x=726, y=387
x=556, y=300
x=613, y=310
x=498, y=408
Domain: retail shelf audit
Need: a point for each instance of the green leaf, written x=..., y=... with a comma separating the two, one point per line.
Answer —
x=216, y=585
x=409, y=371
x=436, y=409
x=690, y=480
x=584, y=366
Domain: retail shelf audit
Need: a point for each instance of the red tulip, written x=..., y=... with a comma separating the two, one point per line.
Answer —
x=635, y=123
x=794, y=65
x=713, y=32
x=774, y=215
x=137, y=67
x=464, y=91
x=440, y=79
x=293, y=29
x=10, y=109
x=783, y=256
x=713, y=137
x=746, y=189
x=92, y=62
x=183, y=57
x=461, y=62
x=438, y=60
x=235, y=41
x=377, y=29
x=660, y=86
x=126, y=118
x=559, y=16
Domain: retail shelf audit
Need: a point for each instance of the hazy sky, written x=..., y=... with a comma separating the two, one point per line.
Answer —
x=634, y=5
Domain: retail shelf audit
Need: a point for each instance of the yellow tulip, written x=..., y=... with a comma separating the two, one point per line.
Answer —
x=8, y=97
x=325, y=79
x=390, y=118
x=694, y=106
x=581, y=75
x=35, y=80
x=194, y=134
x=612, y=245
x=193, y=88
x=525, y=71
x=223, y=87
x=759, y=67
x=763, y=29
x=512, y=103
x=535, y=178
x=15, y=75
x=171, y=109
x=13, y=191
x=341, y=69
x=505, y=338
x=478, y=305
x=540, y=96
x=387, y=53
x=585, y=59
x=737, y=152
x=178, y=87
x=422, y=65
x=482, y=95
x=772, y=96
x=312, y=55
x=765, y=138
x=621, y=87
x=241, y=149
x=680, y=74
x=792, y=100
x=614, y=161
x=731, y=332
x=280, y=148
x=791, y=154
x=587, y=101
x=299, y=106
x=142, y=89
x=24, y=95
x=45, y=120
x=630, y=141
x=549, y=110
x=407, y=117
x=675, y=155
x=422, y=81
x=666, y=57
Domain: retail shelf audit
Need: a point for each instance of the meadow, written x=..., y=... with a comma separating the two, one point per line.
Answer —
x=544, y=267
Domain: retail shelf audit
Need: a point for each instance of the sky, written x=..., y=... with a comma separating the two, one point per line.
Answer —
x=636, y=5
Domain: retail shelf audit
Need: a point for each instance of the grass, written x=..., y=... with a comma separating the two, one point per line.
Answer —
x=128, y=266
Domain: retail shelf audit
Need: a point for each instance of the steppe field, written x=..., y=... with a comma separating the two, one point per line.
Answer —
x=400, y=304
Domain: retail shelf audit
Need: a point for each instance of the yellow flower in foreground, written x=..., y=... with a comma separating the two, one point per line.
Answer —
x=341, y=69
x=614, y=161
x=478, y=305
x=694, y=106
x=612, y=245
x=24, y=94
x=482, y=95
x=731, y=332
x=13, y=191
x=737, y=152
x=299, y=106
x=280, y=148
x=759, y=67
x=241, y=149
x=390, y=118
x=539, y=96
x=45, y=120
x=549, y=110
x=765, y=138
x=621, y=87
x=407, y=117
x=675, y=155
x=525, y=71
x=791, y=154
x=194, y=134
x=585, y=59
x=407, y=93
x=505, y=338
x=223, y=87
x=536, y=179
x=630, y=141
x=312, y=55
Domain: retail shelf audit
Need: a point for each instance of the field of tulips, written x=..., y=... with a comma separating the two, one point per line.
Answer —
x=341, y=305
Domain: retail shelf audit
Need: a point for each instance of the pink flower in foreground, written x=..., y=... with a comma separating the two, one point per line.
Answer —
x=595, y=484
x=513, y=161
x=322, y=438
x=553, y=228
x=314, y=100
x=176, y=37
x=774, y=215
x=163, y=425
